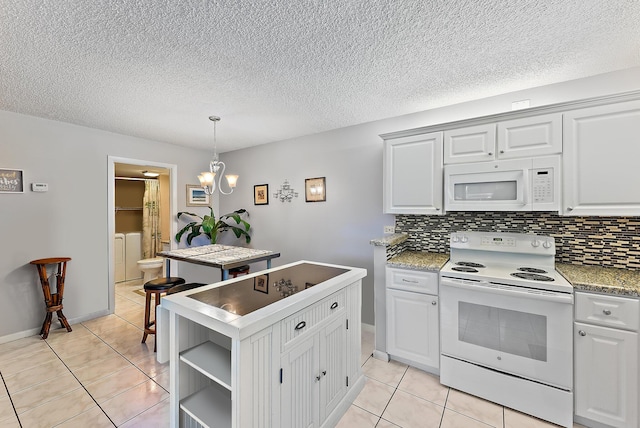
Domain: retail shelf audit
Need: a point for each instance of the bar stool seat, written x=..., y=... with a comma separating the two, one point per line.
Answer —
x=240, y=270
x=156, y=287
x=53, y=301
x=184, y=287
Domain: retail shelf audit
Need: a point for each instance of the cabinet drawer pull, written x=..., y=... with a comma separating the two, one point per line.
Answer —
x=301, y=325
x=334, y=305
x=582, y=333
x=410, y=282
x=606, y=311
x=434, y=303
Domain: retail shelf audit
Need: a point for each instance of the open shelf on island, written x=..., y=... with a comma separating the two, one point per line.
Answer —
x=212, y=360
x=210, y=407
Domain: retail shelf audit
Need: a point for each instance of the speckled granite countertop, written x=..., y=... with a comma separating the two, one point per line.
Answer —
x=419, y=260
x=389, y=240
x=602, y=280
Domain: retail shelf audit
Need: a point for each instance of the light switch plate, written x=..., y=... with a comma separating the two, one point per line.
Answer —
x=389, y=229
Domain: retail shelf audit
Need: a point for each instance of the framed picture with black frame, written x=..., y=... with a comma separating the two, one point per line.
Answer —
x=261, y=283
x=315, y=189
x=261, y=194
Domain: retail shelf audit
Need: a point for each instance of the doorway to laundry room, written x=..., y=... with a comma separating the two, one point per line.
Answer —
x=141, y=224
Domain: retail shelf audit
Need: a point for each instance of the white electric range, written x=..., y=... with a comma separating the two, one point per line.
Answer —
x=506, y=323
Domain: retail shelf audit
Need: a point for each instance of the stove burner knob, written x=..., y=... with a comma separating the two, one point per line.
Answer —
x=464, y=239
x=546, y=244
x=535, y=243
x=455, y=238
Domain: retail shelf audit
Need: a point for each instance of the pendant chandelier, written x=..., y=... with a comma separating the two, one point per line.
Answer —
x=208, y=178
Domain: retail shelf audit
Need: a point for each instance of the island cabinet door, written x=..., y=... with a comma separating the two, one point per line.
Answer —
x=333, y=366
x=300, y=385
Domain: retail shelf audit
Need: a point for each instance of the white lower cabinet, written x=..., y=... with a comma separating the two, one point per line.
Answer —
x=314, y=376
x=606, y=363
x=413, y=333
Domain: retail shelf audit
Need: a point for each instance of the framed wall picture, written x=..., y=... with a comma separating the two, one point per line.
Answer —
x=261, y=283
x=196, y=196
x=11, y=181
x=261, y=194
x=315, y=189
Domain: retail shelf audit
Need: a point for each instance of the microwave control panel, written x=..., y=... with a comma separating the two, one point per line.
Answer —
x=542, y=185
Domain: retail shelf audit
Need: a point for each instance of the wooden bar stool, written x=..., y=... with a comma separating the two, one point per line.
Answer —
x=156, y=287
x=53, y=301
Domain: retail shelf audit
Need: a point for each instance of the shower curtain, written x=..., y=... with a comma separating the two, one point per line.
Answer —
x=151, y=239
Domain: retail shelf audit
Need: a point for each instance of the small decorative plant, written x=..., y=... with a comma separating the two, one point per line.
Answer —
x=209, y=226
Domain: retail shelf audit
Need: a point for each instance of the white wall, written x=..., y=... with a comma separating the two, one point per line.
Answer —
x=339, y=230
x=70, y=219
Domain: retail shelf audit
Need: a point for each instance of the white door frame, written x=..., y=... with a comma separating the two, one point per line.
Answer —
x=111, y=212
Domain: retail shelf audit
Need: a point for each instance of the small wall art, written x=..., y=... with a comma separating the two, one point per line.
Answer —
x=261, y=283
x=11, y=181
x=315, y=189
x=261, y=194
x=196, y=196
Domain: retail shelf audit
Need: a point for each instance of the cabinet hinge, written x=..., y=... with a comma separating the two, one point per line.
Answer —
x=280, y=375
x=347, y=323
x=347, y=380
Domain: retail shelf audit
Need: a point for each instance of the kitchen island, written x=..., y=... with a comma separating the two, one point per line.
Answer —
x=278, y=348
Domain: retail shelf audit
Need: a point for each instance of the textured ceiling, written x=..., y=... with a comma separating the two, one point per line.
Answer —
x=279, y=69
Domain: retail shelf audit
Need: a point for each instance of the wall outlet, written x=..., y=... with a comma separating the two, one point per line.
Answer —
x=389, y=229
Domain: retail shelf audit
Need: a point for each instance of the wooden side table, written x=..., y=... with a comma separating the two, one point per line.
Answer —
x=53, y=301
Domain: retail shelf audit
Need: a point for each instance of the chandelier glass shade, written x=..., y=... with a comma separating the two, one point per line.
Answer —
x=208, y=178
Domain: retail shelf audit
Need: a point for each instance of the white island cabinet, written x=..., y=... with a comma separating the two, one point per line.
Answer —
x=278, y=348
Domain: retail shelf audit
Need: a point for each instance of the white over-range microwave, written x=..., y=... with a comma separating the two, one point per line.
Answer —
x=531, y=184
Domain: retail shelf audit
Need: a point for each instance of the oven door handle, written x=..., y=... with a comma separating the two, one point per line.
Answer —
x=507, y=290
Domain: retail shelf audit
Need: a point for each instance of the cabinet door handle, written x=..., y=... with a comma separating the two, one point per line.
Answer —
x=606, y=311
x=324, y=373
x=434, y=303
x=301, y=325
x=582, y=333
x=501, y=151
x=569, y=208
x=318, y=378
x=334, y=305
x=490, y=154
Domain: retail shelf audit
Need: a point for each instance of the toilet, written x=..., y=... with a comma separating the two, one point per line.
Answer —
x=151, y=268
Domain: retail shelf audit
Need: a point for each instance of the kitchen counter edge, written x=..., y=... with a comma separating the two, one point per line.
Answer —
x=614, y=281
x=419, y=260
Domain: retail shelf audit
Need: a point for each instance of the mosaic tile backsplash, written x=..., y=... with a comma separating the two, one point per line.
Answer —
x=600, y=241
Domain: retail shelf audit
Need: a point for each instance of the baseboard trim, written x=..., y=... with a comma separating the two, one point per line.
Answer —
x=35, y=331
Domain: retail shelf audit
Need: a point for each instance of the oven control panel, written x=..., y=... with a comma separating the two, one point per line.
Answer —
x=498, y=241
x=513, y=243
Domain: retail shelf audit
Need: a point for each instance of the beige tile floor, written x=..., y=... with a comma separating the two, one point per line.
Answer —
x=100, y=375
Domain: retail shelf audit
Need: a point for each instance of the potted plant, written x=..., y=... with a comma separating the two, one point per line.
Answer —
x=209, y=226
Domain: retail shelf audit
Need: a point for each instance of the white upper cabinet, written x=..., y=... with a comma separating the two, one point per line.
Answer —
x=601, y=172
x=470, y=144
x=413, y=174
x=517, y=138
x=530, y=136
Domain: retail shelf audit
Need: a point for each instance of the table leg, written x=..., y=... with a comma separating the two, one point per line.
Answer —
x=269, y=264
x=167, y=268
x=225, y=274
